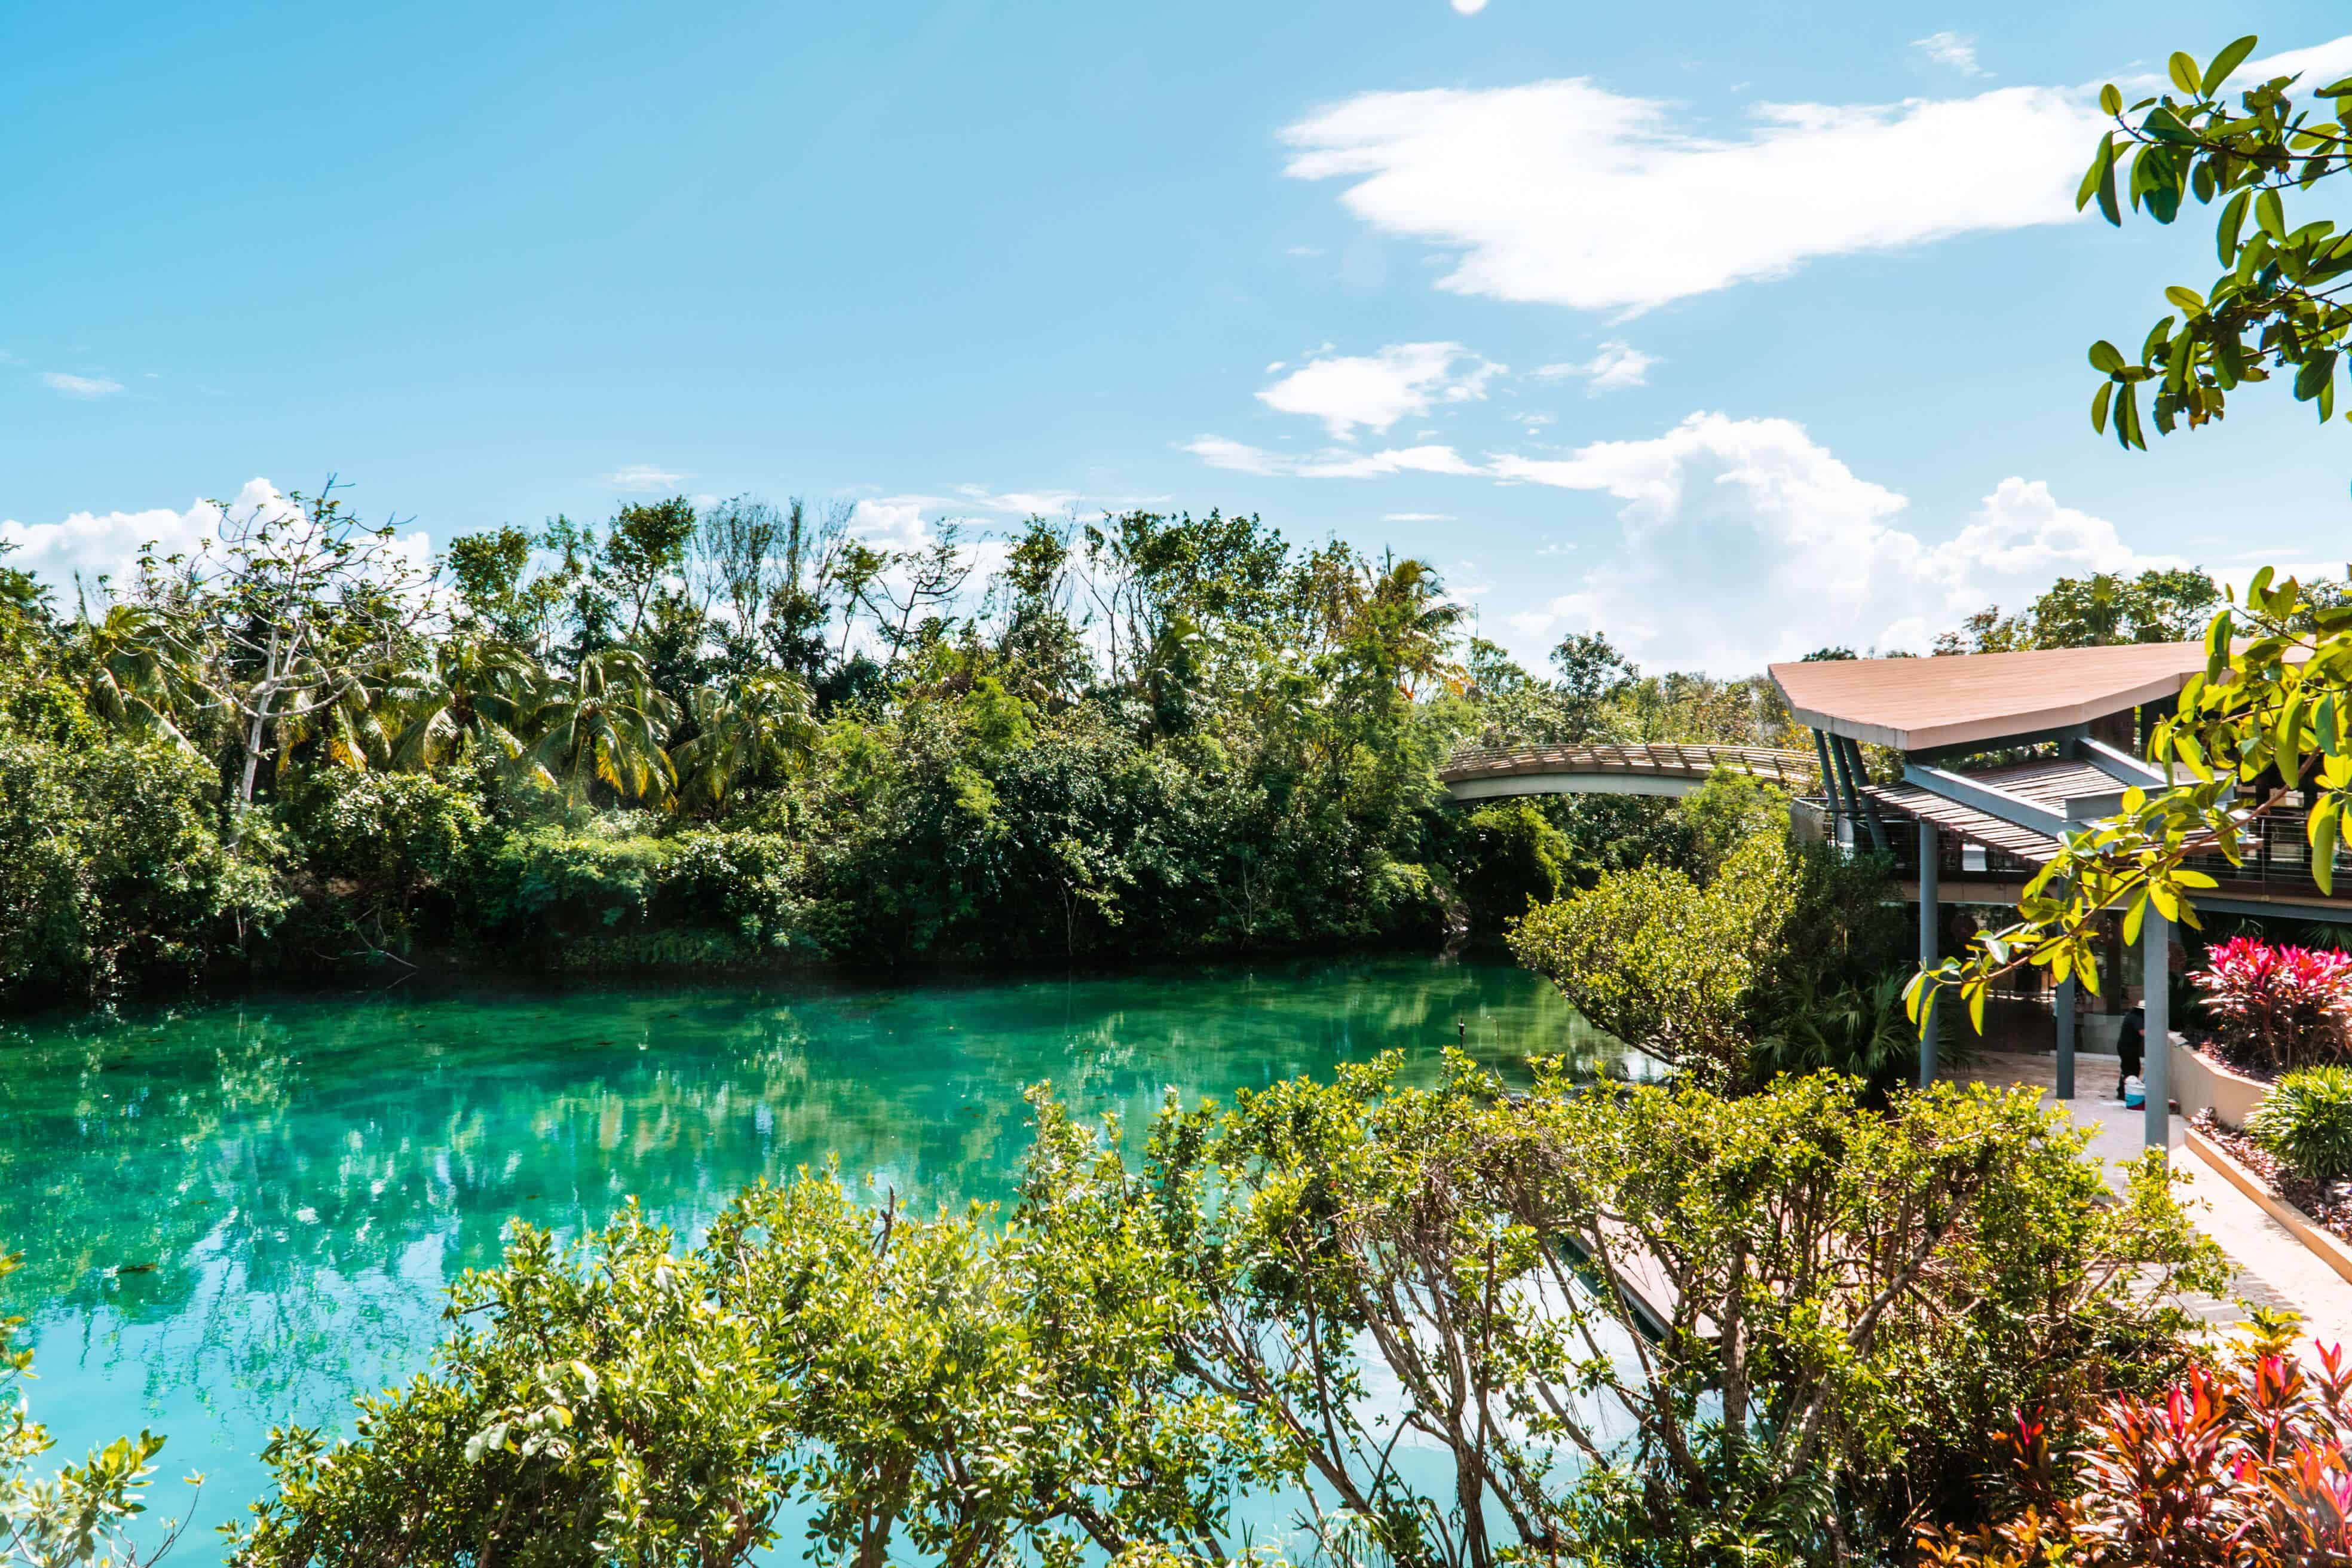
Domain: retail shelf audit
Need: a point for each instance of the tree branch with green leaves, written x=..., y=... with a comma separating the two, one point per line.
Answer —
x=2278, y=305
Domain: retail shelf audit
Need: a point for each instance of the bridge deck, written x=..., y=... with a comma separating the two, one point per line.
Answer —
x=1476, y=772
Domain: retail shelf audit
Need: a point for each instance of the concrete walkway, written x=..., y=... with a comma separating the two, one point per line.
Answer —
x=2274, y=1269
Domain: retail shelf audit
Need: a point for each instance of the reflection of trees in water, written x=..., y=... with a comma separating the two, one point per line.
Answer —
x=304, y=1176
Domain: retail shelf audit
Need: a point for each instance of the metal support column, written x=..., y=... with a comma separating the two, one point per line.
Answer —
x=1829, y=783
x=2155, y=983
x=1929, y=958
x=2065, y=1006
x=1859, y=776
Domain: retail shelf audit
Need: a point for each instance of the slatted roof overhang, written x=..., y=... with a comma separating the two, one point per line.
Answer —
x=1929, y=704
x=1975, y=827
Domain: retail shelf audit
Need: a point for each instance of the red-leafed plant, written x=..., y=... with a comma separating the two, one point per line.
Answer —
x=2277, y=1008
x=2242, y=1468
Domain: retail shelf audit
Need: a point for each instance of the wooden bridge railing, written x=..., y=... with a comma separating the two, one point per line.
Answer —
x=1793, y=771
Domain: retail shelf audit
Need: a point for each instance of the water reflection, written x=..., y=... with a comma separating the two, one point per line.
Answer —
x=237, y=1215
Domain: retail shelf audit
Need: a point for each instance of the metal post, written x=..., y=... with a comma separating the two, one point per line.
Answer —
x=1845, y=787
x=1860, y=775
x=2066, y=1006
x=2155, y=984
x=1927, y=955
x=1829, y=783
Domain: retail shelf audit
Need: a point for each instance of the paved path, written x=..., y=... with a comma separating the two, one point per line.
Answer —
x=2274, y=1269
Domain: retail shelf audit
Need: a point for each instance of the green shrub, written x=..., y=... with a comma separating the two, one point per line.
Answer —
x=398, y=833
x=1857, y=1301
x=1508, y=856
x=636, y=899
x=2307, y=1121
x=113, y=867
x=1665, y=965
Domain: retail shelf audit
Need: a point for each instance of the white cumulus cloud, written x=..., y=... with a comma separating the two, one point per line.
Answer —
x=1567, y=193
x=1375, y=391
x=84, y=387
x=1744, y=540
x=94, y=544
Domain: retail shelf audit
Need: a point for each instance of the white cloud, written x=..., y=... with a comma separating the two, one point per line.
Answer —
x=1469, y=7
x=1744, y=540
x=1957, y=50
x=2318, y=64
x=893, y=522
x=1566, y=192
x=1330, y=464
x=1416, y=517
x=1617, y=364
x=1378, y=390
x=644, y=477
x=84, y=387
x=95, y=545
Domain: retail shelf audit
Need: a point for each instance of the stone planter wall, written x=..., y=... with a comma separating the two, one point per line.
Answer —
x=2200, y=1084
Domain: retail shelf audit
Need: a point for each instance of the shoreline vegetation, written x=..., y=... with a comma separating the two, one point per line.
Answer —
x=738, y=737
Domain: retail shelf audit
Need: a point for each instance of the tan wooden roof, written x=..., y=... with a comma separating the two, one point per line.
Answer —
x=1923, y=704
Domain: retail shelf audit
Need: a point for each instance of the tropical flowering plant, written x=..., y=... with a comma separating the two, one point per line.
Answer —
x=2277, y=1007
x=2244, y=1467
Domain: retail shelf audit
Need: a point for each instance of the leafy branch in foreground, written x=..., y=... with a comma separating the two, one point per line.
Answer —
x=1409, y=1315
x=2268, y=719
x=2277, y=304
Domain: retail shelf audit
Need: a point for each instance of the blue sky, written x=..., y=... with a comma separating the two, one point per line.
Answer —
x=1729, y=329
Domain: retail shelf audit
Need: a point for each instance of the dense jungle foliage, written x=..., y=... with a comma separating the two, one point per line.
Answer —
x=742, y=734
x=1350, y=1292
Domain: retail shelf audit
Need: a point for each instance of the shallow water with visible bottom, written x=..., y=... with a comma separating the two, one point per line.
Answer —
x=240, y=1213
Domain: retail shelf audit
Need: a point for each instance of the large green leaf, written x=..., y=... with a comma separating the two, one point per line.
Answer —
x=2231, y=57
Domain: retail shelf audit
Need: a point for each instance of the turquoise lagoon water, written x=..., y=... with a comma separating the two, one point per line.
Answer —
x=238, y=1214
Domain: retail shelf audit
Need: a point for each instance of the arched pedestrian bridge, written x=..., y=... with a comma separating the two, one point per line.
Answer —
x=1484, y=773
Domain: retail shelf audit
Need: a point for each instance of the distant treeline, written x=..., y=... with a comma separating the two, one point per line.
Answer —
x=740, y=734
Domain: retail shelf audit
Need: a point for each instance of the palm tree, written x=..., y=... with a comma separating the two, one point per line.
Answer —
x=467, y=695
x=341, y=708
x=1398, y=621
x=747, y=730
x=605, y=724
x=140, y=675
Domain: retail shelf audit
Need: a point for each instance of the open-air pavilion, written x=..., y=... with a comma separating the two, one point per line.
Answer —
x=2000, y=755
